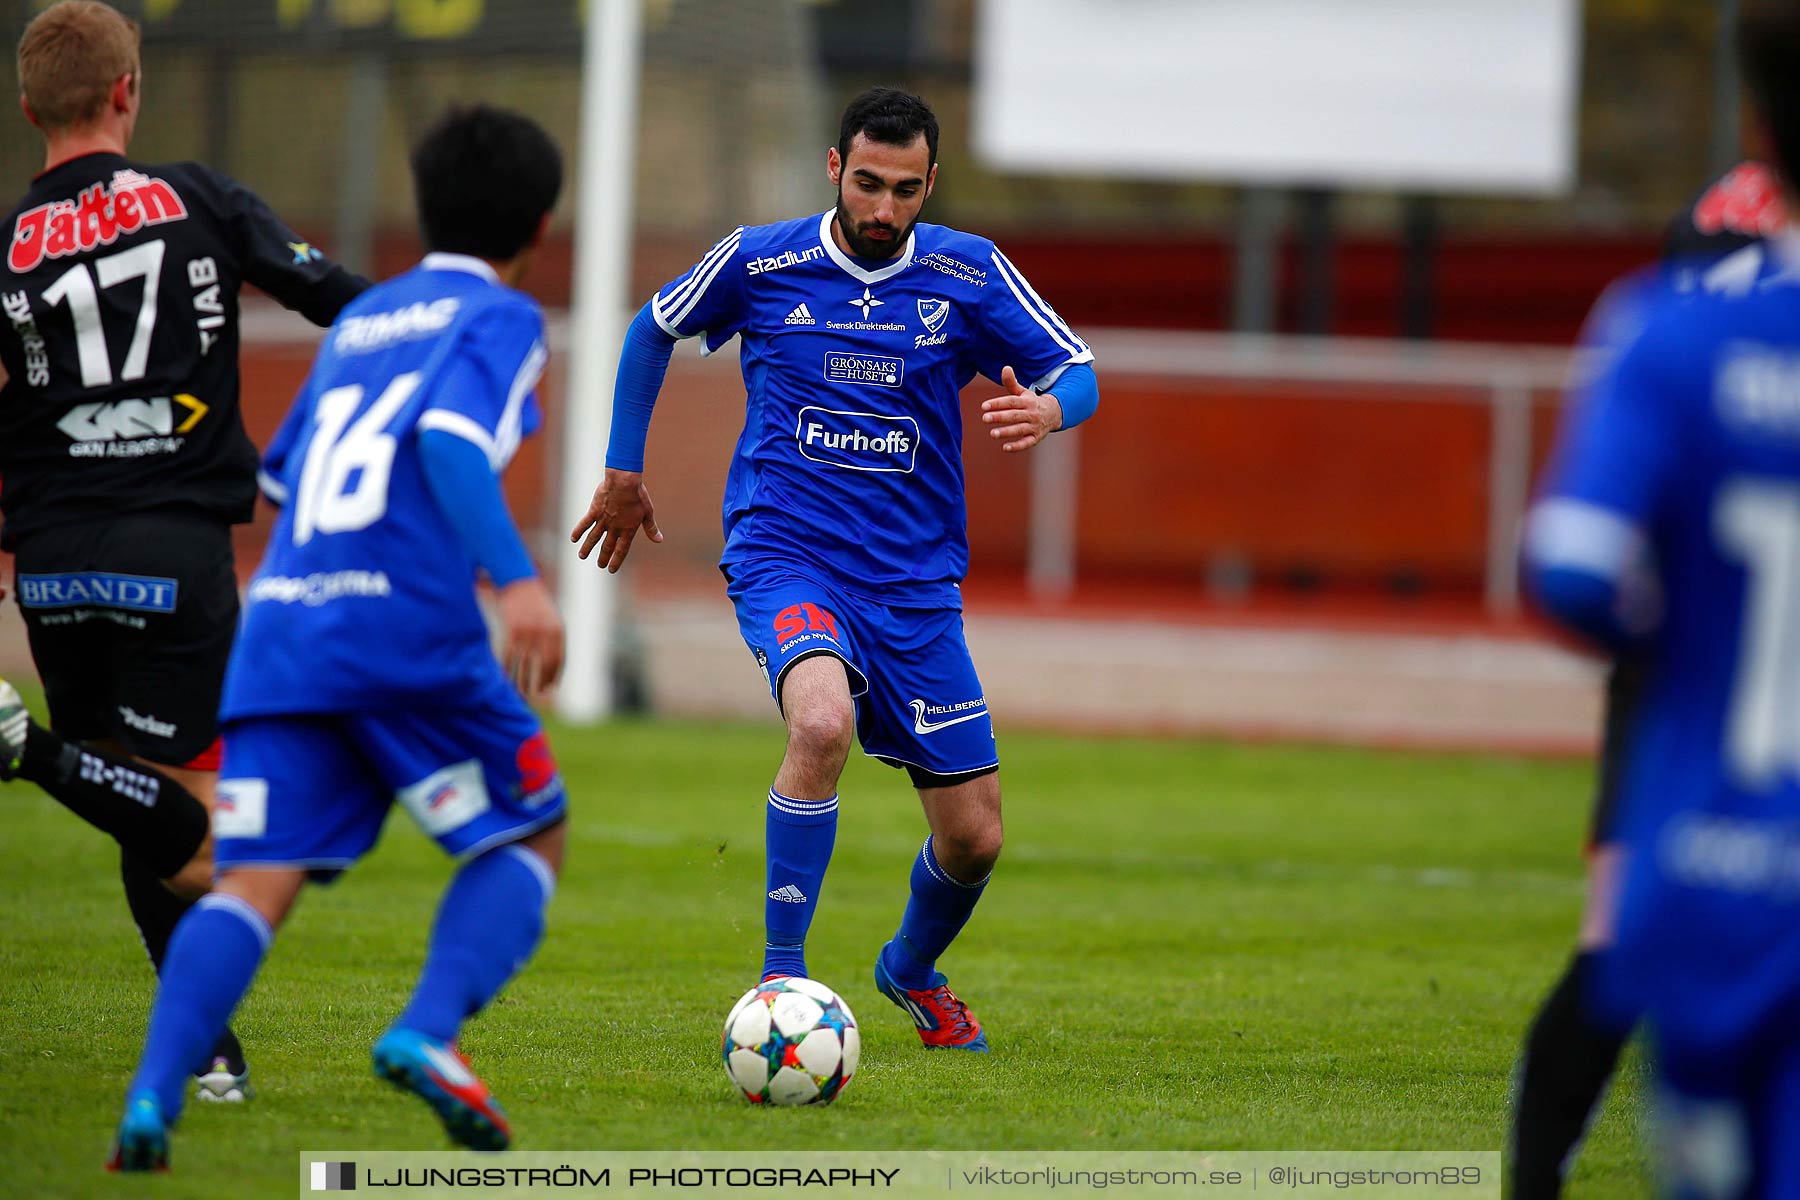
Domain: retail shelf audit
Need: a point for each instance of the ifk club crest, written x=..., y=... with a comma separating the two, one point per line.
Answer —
x=934, y=313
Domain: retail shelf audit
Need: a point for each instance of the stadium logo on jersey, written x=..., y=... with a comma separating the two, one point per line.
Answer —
x=858, y=441
x=378, y=331
x=98, y=217
x=787, y=258
x=800, y=316
x=447, y=799
x=131, y=428
x=137, y=593
x=871, y=369
x=240, y=808
x=1758, y=390
x=929, y=718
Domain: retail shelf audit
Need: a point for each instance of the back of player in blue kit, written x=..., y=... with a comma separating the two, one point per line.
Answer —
x=1671, y=518
x=362, y=676
x=361, y=601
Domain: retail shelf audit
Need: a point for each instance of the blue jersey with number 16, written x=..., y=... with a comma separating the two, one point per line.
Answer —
x=364, y=599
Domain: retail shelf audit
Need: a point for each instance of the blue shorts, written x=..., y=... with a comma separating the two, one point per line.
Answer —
x=919, y=702
x=313, y=791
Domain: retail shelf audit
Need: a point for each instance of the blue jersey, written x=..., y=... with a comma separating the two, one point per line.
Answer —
x=1678, y=484
x=364, y=598
x=851, y=454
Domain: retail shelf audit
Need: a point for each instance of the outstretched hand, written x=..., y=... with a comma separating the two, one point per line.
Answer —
x=534, y=635
x=1022, y=418
x=620, y=508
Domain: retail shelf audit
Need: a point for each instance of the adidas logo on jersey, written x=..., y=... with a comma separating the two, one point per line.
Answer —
x=788, y=894
x=801, y=316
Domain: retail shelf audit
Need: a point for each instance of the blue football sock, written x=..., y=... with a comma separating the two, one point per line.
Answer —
x=212, y=957
x=490, y=921
x=939, y=908
x=798, y=838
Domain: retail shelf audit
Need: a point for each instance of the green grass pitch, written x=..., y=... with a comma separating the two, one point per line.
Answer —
x=1186, y=946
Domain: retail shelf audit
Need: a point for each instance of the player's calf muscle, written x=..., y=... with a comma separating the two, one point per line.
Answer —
x=966, y=829
x=547, y=844
x=194, y=879
x=271, y=891
x=144, y=809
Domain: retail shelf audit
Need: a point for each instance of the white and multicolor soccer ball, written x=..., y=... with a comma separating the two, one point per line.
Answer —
x=791, y=1041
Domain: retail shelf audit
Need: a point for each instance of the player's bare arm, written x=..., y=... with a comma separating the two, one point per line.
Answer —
x=534, y=635
x=1022, y=418
x=620, y=508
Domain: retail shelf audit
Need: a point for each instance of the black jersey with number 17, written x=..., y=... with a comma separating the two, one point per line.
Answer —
x=119, y=335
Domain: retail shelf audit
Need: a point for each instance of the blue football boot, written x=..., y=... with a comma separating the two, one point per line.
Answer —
x=944, y=1022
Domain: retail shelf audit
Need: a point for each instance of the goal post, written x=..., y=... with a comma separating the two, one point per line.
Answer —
x=611, y=61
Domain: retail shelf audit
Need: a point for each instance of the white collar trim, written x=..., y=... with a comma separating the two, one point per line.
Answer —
x=438, y=260
x=862, y=275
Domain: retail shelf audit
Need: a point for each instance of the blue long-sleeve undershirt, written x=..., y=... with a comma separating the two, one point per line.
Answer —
x=467, y=491
x=1077, y=389
x=642, y=364
x=1588, y=604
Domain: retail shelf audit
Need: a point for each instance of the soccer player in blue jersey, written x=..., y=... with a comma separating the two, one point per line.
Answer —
x=1568, y=1058
x=845, y=513
x=363, y=674
x=1670, y=522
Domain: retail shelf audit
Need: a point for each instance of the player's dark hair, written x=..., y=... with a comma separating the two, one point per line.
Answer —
x=1769, y=49
x=484, y=177
x=889, y=115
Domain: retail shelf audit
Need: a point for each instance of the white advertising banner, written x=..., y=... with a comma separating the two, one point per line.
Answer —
x=1423, y=95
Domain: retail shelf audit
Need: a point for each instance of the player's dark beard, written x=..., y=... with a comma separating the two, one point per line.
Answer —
x=865, y=247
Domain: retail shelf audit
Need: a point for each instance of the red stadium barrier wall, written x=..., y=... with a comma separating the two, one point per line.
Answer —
x=1304, y=487
x=1485, y=288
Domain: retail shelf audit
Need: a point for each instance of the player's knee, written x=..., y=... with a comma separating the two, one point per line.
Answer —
x=822, y=733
